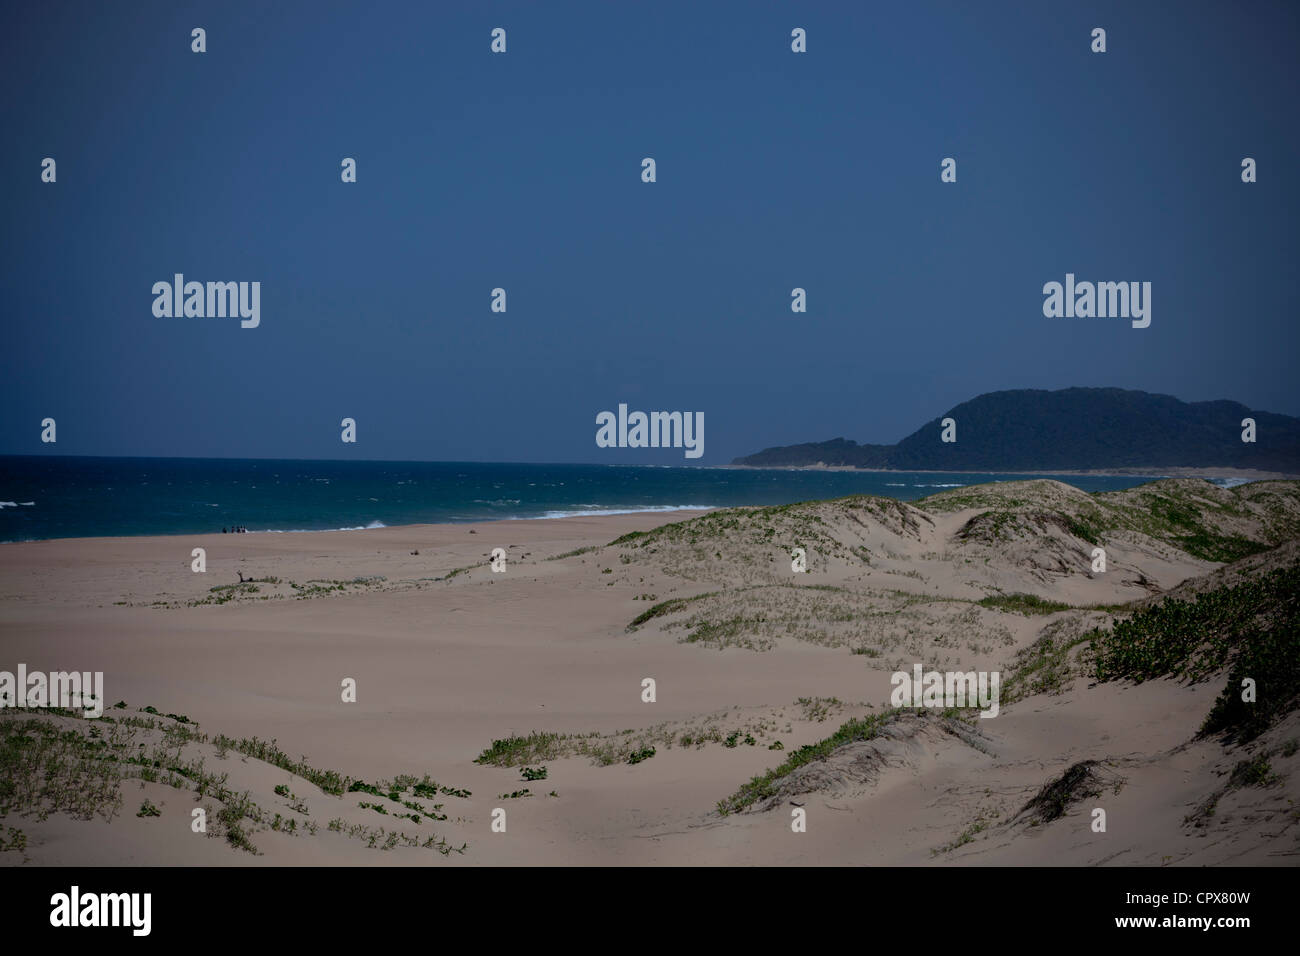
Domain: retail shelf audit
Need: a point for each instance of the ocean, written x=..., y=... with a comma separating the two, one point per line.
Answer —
x=61, y=497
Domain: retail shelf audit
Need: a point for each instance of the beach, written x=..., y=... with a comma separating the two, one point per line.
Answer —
x=448, y=656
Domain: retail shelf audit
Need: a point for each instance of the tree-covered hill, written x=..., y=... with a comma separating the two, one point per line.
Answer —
x=1070, y=430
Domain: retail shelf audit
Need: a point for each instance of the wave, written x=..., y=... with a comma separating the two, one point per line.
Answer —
x=1229, y=482
x=361, y=527
x=595, y=510
x=903, y=484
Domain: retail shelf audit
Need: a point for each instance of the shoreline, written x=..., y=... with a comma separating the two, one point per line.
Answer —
x=1241, y=476
x=564, y=524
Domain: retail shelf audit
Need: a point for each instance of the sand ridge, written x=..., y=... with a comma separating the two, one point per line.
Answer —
x=750, y=660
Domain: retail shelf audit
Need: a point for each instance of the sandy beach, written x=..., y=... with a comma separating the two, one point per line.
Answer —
x=750, y=662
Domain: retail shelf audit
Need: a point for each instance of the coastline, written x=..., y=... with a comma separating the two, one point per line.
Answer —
x=566, y=524
x=559, y=528
x=1249, y=474
x=669, y=513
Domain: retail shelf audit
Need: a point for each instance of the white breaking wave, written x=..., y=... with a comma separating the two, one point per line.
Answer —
x=597, y=510
x=360, y=527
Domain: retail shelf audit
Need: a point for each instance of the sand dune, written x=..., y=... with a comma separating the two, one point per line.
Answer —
x=751, y=662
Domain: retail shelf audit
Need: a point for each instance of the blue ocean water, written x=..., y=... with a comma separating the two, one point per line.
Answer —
x=60, y=497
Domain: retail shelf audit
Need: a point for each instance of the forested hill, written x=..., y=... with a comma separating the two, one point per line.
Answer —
x=1071, y=429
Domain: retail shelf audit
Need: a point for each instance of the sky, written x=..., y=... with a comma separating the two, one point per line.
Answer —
x=523, y=171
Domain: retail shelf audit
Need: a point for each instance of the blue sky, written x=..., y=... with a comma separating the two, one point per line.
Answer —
x=522, y=171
